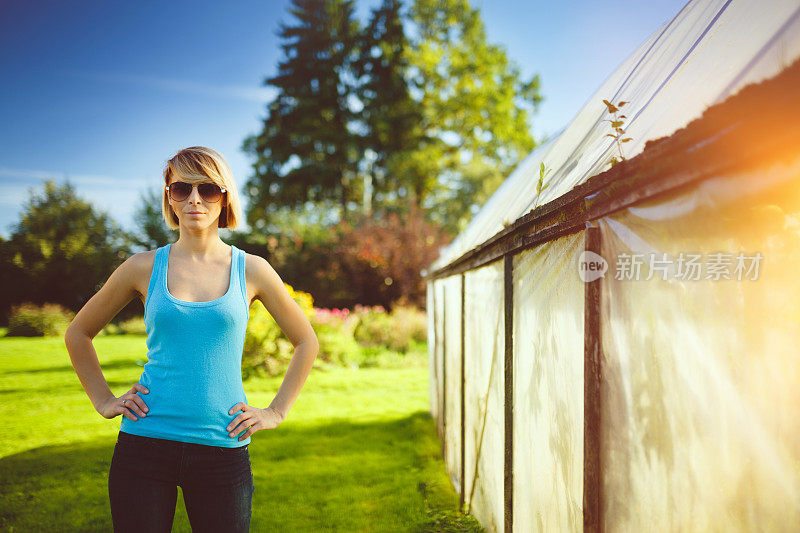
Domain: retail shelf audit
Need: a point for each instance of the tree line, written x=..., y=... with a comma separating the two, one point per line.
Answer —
x=382, y=137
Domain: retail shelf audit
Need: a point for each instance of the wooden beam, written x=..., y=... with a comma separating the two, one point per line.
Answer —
x=444, y=377
x=508, y=386
x=592, y=383
x=463, y=381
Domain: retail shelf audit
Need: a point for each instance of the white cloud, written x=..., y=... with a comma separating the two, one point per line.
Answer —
x=36, y=177
x=235, y=92
x=116, y=196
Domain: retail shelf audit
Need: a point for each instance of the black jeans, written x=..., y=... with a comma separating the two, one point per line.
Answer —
x=217, y=485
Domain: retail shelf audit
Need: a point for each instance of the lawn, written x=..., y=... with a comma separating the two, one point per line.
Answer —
x=358, y=451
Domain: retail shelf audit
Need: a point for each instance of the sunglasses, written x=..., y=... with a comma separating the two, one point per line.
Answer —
x=209, y=192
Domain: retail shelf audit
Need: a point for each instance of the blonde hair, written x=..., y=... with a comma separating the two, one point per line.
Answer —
x=196, y=164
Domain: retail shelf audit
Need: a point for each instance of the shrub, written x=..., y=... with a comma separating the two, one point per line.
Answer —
x=334, y=329
x=366, y=336
x=373, y=325
x=411, y=322
x=372, y=260
x=380, y=258
x=109, y=329
x=266, y=348
x=29, y=320
x=395, y=330
x=132, y=326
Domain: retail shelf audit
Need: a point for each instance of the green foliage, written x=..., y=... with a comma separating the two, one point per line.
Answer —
x=337, y=347
x=396, y=331
x=29, y=320
x=369, y=337
x=110, y=329
x=61, y=251
x=366, y=337
x=475, y=104
x=393, y=119
x=436, y=118
x=152, y=231
x=616, y=124
x=539, y=185
x=475, y=179
x=132, y=326
x=308, y=120
x=302, y=255
x=267, y=351
x=374, y=328
x=374, y=261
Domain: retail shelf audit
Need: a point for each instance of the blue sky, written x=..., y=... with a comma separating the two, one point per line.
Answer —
x=104, y=92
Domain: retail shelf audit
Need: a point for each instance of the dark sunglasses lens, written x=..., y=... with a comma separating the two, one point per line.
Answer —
x=179, y=190
x=210, y=192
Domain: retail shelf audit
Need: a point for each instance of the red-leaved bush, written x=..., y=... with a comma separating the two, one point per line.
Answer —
x=381, y=259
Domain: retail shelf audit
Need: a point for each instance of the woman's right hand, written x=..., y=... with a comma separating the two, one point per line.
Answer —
x=132, y=402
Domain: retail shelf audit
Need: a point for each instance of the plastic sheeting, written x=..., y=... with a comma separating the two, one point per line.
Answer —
x=548, y=387
x=434, y=359
x=437, y=314
x=452, y=378
x=706, y=52
x=438, y=384
x=484, y=411
x=702, y=376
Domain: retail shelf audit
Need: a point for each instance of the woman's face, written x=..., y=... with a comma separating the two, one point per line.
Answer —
x=194, y=212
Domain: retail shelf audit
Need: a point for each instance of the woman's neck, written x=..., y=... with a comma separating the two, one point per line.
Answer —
x=200, y=246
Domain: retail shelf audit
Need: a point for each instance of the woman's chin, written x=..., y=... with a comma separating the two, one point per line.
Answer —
x=193, y=222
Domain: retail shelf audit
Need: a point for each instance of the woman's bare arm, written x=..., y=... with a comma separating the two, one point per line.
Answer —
x=269, y=288
x=115, y=294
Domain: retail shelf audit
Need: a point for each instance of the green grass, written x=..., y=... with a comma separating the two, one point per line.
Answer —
x=357, y=452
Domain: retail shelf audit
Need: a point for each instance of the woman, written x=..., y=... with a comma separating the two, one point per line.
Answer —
x=187, y=421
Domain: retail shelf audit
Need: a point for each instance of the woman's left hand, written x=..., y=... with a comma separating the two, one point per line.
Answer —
x=252, y=418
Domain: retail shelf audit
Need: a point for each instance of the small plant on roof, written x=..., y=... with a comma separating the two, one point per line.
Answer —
x=539, y=186
x=617, y=123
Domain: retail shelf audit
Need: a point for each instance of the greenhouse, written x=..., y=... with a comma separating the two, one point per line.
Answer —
x=612, y=339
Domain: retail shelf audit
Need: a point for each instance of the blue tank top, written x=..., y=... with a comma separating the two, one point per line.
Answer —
x=194, y=360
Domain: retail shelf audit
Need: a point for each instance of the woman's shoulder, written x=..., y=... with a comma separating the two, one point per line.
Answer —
x=145, y=258
x=261, y=273
x=136, y=270
x=257, y=269
x=141, y=264
x=255, y=263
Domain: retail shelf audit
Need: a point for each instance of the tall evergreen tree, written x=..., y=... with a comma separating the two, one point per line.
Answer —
x=391, y=116
x=307, y=150
x=439, y=118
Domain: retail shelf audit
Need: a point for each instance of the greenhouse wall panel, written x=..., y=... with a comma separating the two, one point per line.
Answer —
x=434, y=338
x=700, y=367
x=484, y=394
x=452, y=378
x=548, y=387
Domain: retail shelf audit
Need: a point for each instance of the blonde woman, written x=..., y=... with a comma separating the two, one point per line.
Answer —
x=187, y=421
